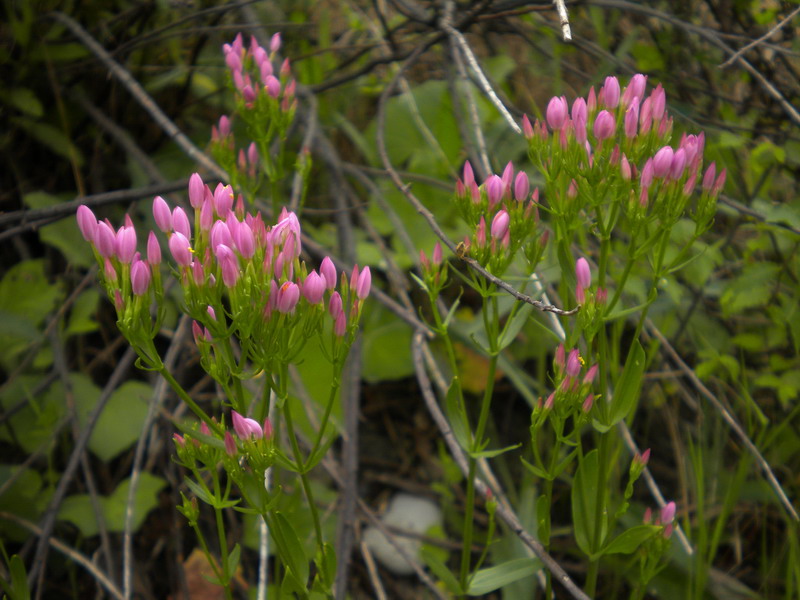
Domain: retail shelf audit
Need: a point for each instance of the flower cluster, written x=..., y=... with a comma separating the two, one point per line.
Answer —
x=573, y=389
x=273, y=302
x=615, y=144
x=503, y=214
x=592, y=300
x=265, y=101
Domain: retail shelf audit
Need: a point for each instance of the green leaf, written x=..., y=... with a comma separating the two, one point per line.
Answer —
x=441, y=571
x=493, y=578
x=78, y=508
x=233, y=560
x=514, y=327
x=628, y=385
x=535, y=470
x=628, y=541
x=584, y=504
x=52, y=138
x=81, y=318
x=387, y=344
x=457, y=416
x=493, y=453
x=23, y=100
x=290, y=548
x=752, y=287
x=120, y=424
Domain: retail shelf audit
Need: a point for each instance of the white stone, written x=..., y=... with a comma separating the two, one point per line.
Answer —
x=412, y=513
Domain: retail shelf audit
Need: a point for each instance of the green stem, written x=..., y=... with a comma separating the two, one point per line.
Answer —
x=223, y=542
x=201, y=414
x=469, y=509
x=326, y=416
x=298, y=457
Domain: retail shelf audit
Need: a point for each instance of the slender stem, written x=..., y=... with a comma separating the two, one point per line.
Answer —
x=600, y=511
x=298, y=457
x=223, y=541
x=178, y=389
x=326, y=416
x=469, y=509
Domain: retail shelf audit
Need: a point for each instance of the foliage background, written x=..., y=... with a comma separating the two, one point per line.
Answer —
x=71, y=130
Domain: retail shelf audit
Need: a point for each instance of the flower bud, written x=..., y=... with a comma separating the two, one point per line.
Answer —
x=275, y=43
x=340, y=325
x=180, y=248
x=335, y=305
x=245, y=241
x=328, y=272
x=500, y=225
x=521, y=186
x=220, y=235
x=140, y=277
x=610, y=92
x=583, y=273
x=591, y=374
x=708, y=178
x=153, y=249
x=560, y=357
x=197, y=191
x=228, y=264
x=180, y=222
x=273, y=86
x=632, y=119
x=587, y=404
x=230, y=445
x=494, y=190
x=646, y=176
x=635, y=89
x=288, y=295
x=87, y=223
x=625, y=168
x=437, y=254
x=668, y=513
x=364, y=284
x=662, y=162
x=719, y=183
x=573, y=363
x=527, y=129
x=659, y=102
x=557, y=111
x=604, y=125
x=105, y=239
x=678, y=164
x=223, y=199
x=314, y=288
x=125, y=244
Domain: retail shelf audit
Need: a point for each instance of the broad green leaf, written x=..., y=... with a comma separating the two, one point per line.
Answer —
x=628, y=385
x=24, y=100
x=81, y=318
x=290, y=548
x=233, y=560
x=536, y=470
x=628, y=541
x=52, y=138
x=493, y=578
x=441, y=570
x=78, y=508
x=386, y=351
x=513, y=328
x=584, y=503
x=752, y=287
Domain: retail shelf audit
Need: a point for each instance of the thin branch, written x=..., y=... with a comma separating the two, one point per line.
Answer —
x=141, y=96
x=426, y=214
x=563, y=17
x=727, y=417
x=760, y=40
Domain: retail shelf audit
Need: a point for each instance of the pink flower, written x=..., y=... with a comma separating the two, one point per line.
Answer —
x=604, y=125
x=646, y=176
x=288, y=295
x=228, y=264
x=87, y=223
x=275, y=42
x=583, y=273
x=494, y=189
x=153, y=249
x=105, y=239
x=272, y=86
x=662, y=161
x=719, y=183
x=521, y=186
x=611, y=92
x=180, y=248
x=364, y=284
x=197, y=191
x=480, y=233
x=180, y=222
x=223, y=199
x=328, y=272
x=668, y=513
x=590, y=375
x=560, y=357
x=557, y=111
x=708, y=178
x=245, y=241
x=162, y=214
x=230, y=444
x=246, y=428
x=500, y=225
x=125, y=244
x=635, y=89
x=140, y=277
x=340, y=325
x=659, y=102
x=625, y=168
x=632, y=118
x=314, y=288
x=335, y=305
x=437, y=254
x=573, y=363
x=678, y=164
x=587, y=404
x=527, y=128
